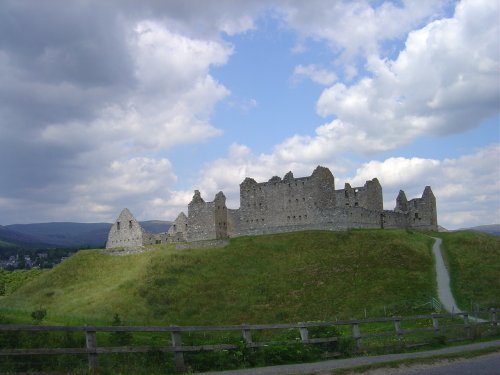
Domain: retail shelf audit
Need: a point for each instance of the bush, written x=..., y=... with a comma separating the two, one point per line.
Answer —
x=38, y=315
x=119, y=338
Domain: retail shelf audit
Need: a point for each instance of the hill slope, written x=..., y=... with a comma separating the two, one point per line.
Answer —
x=66, y=234
x=277, y=278
x=473, y=260
x=488, y=229
x=11, y=239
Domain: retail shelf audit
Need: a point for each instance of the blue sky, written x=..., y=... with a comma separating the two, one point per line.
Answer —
x=144, y=103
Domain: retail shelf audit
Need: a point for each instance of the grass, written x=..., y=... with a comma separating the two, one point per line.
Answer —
x=10, y=281
x=290, y=277
x=473, y=260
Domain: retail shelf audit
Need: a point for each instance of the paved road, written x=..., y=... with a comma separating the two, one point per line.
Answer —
x=443, y=280
x=488, y=364
x=308, y=368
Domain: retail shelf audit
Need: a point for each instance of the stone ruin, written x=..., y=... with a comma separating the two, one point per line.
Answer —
x=283, y=205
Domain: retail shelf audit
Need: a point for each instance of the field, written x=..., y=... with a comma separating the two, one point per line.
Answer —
x=291, y=277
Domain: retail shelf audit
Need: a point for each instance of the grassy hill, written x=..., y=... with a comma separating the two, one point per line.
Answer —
x=473, y=260
x=276, y=278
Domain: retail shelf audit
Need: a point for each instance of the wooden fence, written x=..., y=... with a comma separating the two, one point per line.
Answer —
x=92, y=350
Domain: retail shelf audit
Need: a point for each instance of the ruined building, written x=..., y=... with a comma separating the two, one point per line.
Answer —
x=284, y=205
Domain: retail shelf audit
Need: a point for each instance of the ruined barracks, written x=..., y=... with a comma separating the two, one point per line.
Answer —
x=283, y=205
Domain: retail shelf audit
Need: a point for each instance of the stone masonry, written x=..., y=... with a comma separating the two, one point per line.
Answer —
x=284, y=205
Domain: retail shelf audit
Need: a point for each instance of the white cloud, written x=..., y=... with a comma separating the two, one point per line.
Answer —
x=124, y=183
x=397, y=172
x=445, y=81
x=98, y=116
x=356, y=28
x=467, y=188
x=316, y=74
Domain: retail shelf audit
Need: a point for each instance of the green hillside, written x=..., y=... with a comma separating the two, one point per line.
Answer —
x=277, y=278
x=473, y=260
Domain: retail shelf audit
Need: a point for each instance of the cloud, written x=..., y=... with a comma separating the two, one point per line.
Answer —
x=466, y=187
x=81, y=93
x=316, y=74
x=95, y=96
x=443, y=82
x=356, y=28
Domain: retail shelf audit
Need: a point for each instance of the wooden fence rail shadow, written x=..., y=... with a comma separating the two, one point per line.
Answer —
x=92, y=350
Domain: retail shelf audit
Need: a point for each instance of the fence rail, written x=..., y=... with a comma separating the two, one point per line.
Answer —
x=92, y=350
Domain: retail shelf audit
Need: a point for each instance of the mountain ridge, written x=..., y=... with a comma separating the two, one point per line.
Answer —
x=65, y=234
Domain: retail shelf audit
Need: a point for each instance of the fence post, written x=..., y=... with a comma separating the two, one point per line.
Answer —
x=494, y=316
x=467, y=325
x=304, y=334
x=494, y=322
x=91, y=344
x=435, y=323
x=178, y=354
x=356, y=334
x=247, y=336
x=399, y=332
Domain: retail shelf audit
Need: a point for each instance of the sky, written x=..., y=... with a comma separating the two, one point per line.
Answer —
x=121, y=103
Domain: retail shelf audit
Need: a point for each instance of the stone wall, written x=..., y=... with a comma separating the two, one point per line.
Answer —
x=178, y=230
x=201, y=219
x=220, y=216
x=422, y=213
x=125, y=232
x=284, y=205
x=285, y=202
x=368, y=196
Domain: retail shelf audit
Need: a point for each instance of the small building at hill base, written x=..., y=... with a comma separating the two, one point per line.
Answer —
x=284, y=205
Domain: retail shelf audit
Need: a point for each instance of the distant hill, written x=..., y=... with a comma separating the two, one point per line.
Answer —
x=155, y=226
x=65, y=234
x=489, y=229
x=12, y=239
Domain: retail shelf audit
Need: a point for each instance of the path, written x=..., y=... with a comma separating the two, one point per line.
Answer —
x=486, y=364
x=443, y=282
x=311, y=368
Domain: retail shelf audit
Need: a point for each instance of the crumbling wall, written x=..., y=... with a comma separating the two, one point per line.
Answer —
x=368, y=196
x=422, y=212
x=287, y=202
x=125, y=232
x=178, y=230
x=220, y=216
x=285, y=205
x=201, y=220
